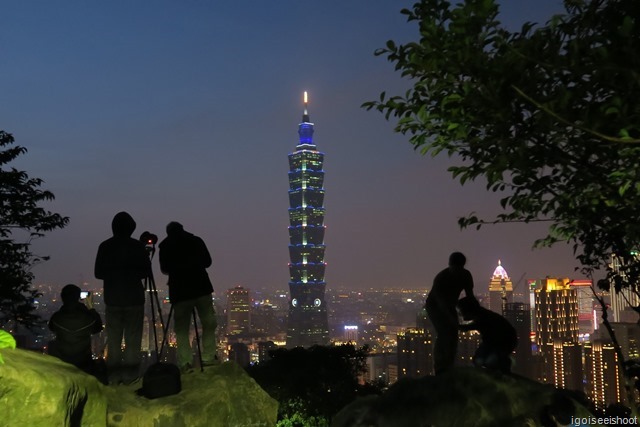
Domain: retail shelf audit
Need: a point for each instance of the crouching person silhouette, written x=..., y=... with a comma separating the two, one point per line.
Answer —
x=499, y=338
x=73, y=325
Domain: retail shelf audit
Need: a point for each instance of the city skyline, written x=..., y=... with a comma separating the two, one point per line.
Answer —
x=184, y=113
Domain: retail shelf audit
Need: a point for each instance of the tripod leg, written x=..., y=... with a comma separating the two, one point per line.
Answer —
x=151, y=290
x=195, y=325
x=164, y=333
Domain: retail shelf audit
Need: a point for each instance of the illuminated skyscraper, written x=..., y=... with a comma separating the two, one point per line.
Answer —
x=587, y=320
x=307, y=324
x=556, y=309
x=238, y=311
x=415, y=353
x=622, y=302
x=500, y=289
x=604, y=382
x=556, y=312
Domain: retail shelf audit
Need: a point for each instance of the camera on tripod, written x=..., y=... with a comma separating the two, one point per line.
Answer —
x=149, y=240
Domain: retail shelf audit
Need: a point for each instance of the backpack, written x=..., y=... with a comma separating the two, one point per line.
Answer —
x=160, y=380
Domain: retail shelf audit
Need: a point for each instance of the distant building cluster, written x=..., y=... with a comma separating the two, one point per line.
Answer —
x=561, y=341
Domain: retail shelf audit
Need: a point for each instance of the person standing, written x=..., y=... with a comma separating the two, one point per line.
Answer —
x=184, y=257
x=441, y=309
x=122, y=263
x=73, y=325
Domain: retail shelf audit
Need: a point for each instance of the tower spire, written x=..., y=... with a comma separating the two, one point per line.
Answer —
x=305, y=115
x=305, y=128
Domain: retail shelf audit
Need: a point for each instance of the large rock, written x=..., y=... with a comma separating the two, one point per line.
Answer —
x=222, y=395
x=465, y=397
x=40, y=390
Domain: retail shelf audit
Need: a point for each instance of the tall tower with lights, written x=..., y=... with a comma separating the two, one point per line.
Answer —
x=500, y=289
x=307, y=323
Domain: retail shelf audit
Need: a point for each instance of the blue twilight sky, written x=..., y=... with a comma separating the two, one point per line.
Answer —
x=187, y=110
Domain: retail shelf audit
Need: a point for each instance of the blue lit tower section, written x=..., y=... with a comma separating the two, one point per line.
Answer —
x=307, y=324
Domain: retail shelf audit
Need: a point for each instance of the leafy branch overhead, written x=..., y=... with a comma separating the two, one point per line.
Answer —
x=20, y=209
x=549, y=114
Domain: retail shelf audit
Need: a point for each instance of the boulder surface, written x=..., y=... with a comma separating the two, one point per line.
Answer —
x=41, y=390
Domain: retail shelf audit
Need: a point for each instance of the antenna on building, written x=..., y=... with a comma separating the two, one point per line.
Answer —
x=305, y=115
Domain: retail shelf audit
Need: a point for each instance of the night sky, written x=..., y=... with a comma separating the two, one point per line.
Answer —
x=186, y=111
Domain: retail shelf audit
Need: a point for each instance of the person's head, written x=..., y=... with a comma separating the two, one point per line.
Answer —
x=469, y=308
x=457, y=259
x=70, y=294
x=123, y=224
x=174, y=228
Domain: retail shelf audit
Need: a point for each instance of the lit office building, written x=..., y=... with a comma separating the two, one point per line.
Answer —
x=468, y=342
x=587, y=322
x=627, y=335
x=264, y=350
x=307, y=322
x=622, y=302
x=415, y=353
x=567, y=365
x=238, y=311
x=556, y=309
x=500, y=289
x=603, y=376
x=351, y=333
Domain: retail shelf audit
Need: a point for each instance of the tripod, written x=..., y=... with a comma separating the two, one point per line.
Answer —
x=195, y=326
x=150, y=287
x=150, y=241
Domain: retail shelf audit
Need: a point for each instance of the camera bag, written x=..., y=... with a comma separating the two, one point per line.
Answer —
x=160, y=379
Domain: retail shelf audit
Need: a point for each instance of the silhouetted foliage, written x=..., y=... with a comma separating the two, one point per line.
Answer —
x=314, y=382
x=20, y=210
x=550, y=115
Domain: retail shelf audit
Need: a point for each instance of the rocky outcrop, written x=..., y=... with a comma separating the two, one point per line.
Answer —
x=40, y=390
x=222, y=395
x=464, y=397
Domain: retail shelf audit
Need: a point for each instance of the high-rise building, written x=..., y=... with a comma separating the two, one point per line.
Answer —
x=603, y=375
x=307, y=323
x=468, y=343
x=556, y=308
x=517, y=313
x=567, y=365
x=351, y=333
x=500, y=289
x=623, y=302
x=264, y=350
x=238, y=311
x=415, y=353
x=586, y=318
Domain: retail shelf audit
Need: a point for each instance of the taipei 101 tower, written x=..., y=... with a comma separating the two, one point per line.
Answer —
x=307, y=324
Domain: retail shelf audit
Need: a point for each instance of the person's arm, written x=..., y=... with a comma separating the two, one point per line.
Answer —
x=97, y=321
x=164, y=261
x=205, y=256
x=468, y=288
x=99, y=269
